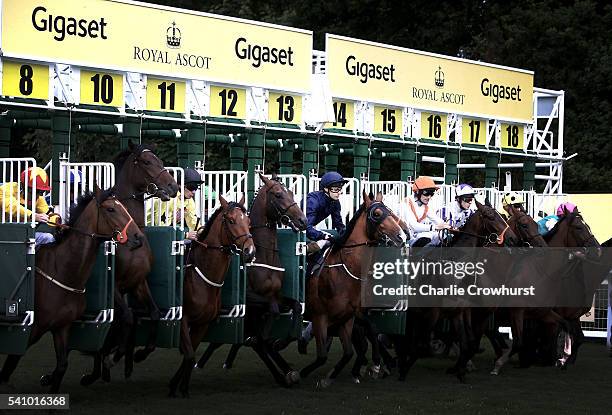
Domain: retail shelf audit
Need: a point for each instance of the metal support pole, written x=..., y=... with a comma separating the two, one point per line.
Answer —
x=529, y=168
x=409, y=163
x=255, y=157
x=360, y=158
x=491, y=170
x=131, y=131
x=237, y=157
x=286, y=158
x=310, y=151
x=60, y=145
x=451, y=159
x=190, y=147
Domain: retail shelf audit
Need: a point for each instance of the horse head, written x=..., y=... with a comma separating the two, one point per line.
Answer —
x=526, y=229
x=236, y=223
x=148, y=173
x=281, y=206
x=489, y=227
x=113, y=219
x=381, y=221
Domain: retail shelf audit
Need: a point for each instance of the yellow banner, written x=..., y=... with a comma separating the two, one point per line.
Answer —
x=125, y=36
x=361, y=70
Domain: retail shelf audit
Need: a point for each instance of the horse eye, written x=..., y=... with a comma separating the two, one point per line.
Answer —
x=111, y=210
x=232, y=221
x=376, y=213
x=147, y=162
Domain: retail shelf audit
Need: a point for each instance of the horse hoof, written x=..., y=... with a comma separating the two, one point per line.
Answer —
x=374, y=371
x=356, y=380
x=324, y=383
x=46, y=380
x=185, y=394
x=461, y=377
x=494, y=372
x=292, y=377
x=227, y=366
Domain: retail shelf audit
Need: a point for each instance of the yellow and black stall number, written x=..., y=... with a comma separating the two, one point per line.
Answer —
x=433, y=126
x=25, y=80
x=512, y=136
x=388, y=120
x=101, y=88
x=165, y=95
x=284, y=108
x=474, y=131
x=227, y=102
x=344, y=115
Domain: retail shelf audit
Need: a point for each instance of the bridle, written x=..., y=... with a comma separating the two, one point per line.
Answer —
x=119, y=236
x=282, y=218
x=492, y=238
x=529, y=238
x=372, y=224
x=232, y=247
x=151, y=189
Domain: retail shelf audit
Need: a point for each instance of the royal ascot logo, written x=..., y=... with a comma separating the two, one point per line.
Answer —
x=171, y=58
x=173, y=36
x=439, y=78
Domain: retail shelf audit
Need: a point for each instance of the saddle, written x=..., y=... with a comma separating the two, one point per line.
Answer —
x=316, y=261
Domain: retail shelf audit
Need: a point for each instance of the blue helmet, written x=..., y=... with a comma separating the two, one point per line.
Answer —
x=332, y=178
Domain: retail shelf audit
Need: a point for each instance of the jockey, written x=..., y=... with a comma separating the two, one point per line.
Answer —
x=512, y=201
x=422, y=221
x=322, y=204
x=547, y=223
x=458, y=212
x=15, y=203
x=163, y=213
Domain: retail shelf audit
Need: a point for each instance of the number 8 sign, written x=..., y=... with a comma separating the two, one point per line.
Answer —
x=25, y=80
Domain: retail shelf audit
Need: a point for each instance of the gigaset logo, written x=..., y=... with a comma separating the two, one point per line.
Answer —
x=62, y=26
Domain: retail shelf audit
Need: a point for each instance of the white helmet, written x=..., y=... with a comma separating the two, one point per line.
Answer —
x=464, y=189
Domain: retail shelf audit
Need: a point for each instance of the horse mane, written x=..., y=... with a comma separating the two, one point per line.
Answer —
x=76, y=209
x=231, y=205
x=555, y=229
x=349, y=229
x=121, y=158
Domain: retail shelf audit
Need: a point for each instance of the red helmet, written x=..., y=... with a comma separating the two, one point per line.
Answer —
x=36, y=173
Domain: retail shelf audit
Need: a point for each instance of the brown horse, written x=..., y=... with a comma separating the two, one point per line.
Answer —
x=63, y=269
x=333, y=298
x=139, y=173
x=486, y=227
x=273, y=205
x=208, y=260
x=573, y=232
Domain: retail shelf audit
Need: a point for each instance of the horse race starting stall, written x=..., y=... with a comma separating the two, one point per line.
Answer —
x=425, y=113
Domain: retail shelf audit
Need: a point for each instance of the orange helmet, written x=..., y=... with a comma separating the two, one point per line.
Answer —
x=36, y=173
x=422, y=183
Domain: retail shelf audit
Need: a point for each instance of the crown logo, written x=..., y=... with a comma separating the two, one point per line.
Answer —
x=439, y=78
x=173, y=36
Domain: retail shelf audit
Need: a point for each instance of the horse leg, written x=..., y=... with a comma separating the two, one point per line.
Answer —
x=319, y=328
x=361, y=348
x=195, y=338
x=372, y=337
x=344, y=333
x=460, y=368
x=291, y=376
x=516, y=323
x=144, y=296
x=578, y=340
x=207, y=354
x=262, y=351
x=185, y=346
x=60, y=341
x=231, y=356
